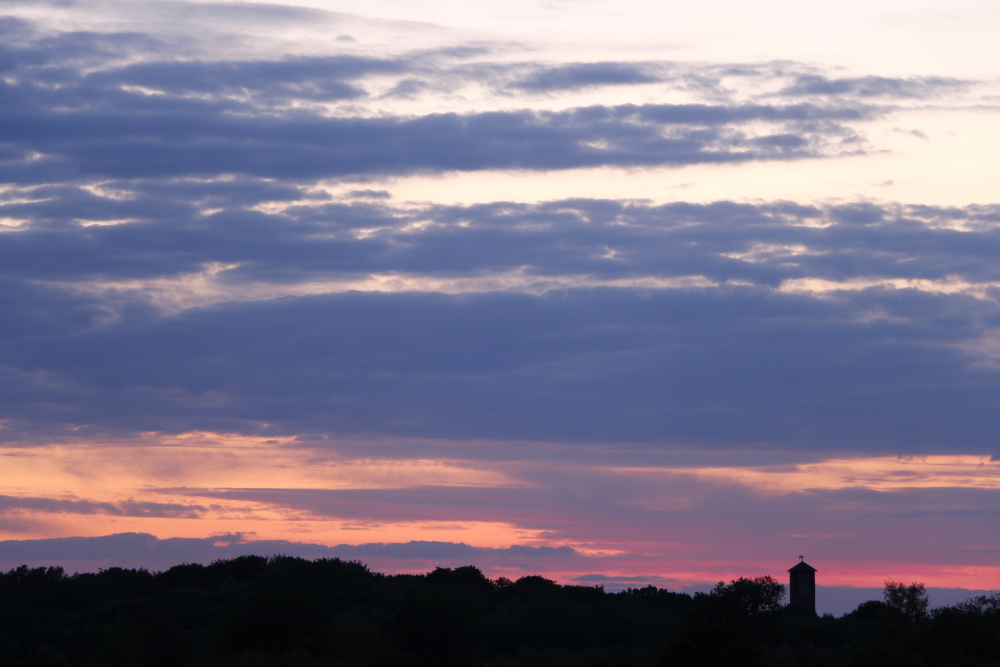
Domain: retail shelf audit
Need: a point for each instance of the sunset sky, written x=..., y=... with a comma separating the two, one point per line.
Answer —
x=610, y=291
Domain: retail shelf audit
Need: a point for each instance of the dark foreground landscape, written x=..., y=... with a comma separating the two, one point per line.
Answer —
x=289, y=611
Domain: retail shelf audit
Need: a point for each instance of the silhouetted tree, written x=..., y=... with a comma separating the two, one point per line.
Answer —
x=751, y=596
x=981, y=604
x=287, y=611
x=910, y=600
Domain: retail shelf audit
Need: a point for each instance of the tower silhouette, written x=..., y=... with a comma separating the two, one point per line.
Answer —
x=802, y=586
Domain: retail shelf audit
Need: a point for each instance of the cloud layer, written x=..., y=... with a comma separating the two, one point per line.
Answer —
x=216, y=306
x=859, y=327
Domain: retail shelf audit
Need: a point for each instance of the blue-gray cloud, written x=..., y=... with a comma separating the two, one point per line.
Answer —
x=313, y=78
x=77, y=110
x=130, y=136
x=214, y=164
x=734, y=360
x=586, y=75
x=144, y=550
x=763, y=244
x=735, y=365
x=874, y=86
x=131, y=507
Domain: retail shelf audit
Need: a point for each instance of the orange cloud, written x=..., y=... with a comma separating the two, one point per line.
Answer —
x=876, y=473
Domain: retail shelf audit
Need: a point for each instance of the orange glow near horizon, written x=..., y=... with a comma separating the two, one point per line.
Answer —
x=197, y=485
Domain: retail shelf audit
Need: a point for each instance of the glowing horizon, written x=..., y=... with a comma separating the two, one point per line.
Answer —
x=268, y=489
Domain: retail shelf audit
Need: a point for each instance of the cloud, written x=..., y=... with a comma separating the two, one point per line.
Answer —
x=87, y=106
x=167, y=15
x=630, y=516
x=855, y=326
x=449, y=550
x=314, y=239
x=130, y=507
x=82, y=107
x=125, y=549
x=141, y=137
x=874, y=86
x=586, y=75
x=605, y=520
x=620, y=582
x=269, y=81
x=145, y=550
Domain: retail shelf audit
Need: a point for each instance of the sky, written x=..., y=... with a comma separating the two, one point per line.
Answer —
x=615, y=292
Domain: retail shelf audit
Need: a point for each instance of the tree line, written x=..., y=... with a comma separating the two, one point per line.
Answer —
x=288, y=611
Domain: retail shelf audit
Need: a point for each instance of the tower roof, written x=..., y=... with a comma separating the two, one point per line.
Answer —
x=802, y=566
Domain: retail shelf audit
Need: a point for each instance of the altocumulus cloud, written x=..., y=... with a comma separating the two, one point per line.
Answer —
x=80, y=108
x=574, y=320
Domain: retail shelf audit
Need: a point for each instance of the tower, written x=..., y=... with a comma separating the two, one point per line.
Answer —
x=802, y=586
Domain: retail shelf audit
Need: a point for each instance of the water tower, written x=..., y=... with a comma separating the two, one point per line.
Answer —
x=802, y=586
